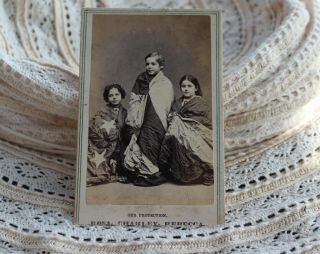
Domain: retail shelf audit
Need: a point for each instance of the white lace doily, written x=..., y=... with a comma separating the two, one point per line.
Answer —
x=272, y=131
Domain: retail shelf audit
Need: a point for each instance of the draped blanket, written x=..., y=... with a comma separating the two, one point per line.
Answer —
x=150, y=103
x=187, y=149
x=104, y=142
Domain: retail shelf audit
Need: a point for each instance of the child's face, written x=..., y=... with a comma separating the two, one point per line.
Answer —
x=152, y=66
x=114, y=96
x=188, y=89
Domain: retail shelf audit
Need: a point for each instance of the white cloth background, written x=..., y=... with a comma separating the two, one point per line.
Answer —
x=272, y=132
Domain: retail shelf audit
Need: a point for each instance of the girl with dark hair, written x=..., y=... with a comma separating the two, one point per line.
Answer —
x=105, y=138
x=193, y=82
x=121, y=93
x=187, y=149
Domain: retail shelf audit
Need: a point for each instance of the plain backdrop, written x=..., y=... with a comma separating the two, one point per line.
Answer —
x=120, y=43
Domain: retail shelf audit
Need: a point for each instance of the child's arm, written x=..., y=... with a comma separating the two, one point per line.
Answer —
x=97, y=138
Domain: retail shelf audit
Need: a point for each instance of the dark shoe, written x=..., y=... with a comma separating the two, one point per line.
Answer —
x=150, y=180
x=157, y=179
x=142, y=181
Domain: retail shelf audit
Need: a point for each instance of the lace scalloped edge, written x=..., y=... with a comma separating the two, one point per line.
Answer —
x=21, y=195
x=277, y=48
x=284, y=181
x=242, y=154
x=179, y=246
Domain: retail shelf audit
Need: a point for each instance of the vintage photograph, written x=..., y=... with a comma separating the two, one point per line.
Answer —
x=159, y=138
x=150, y=111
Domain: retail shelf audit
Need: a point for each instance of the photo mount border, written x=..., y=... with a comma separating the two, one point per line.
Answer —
x=219, y=133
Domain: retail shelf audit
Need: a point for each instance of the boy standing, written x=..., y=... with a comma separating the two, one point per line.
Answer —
x=150, y=102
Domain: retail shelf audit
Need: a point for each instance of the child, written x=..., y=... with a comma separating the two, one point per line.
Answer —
x=186, y=152
x=150, y=102
x=105, y=137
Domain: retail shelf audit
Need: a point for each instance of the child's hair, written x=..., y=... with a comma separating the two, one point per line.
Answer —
x=159, y=59
x=194, y=81
x=109, y=87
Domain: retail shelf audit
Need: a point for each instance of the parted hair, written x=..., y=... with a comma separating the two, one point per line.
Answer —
x=194, y=81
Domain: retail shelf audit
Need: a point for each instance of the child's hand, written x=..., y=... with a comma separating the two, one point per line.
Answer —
x=113, y=166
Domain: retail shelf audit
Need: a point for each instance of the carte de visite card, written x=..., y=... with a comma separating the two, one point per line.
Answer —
x=150, y=135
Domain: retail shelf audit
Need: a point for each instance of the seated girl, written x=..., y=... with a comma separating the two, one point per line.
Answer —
x=187, y=151
x=105, y=146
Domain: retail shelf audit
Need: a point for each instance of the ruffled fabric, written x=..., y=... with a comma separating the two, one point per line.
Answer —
x=272, y=132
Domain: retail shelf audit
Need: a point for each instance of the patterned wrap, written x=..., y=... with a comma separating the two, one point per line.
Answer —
x=147, y=119
x=187, y=149
x=105, y=140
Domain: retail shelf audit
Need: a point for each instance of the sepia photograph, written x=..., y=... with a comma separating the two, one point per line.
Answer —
x=150, y=111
